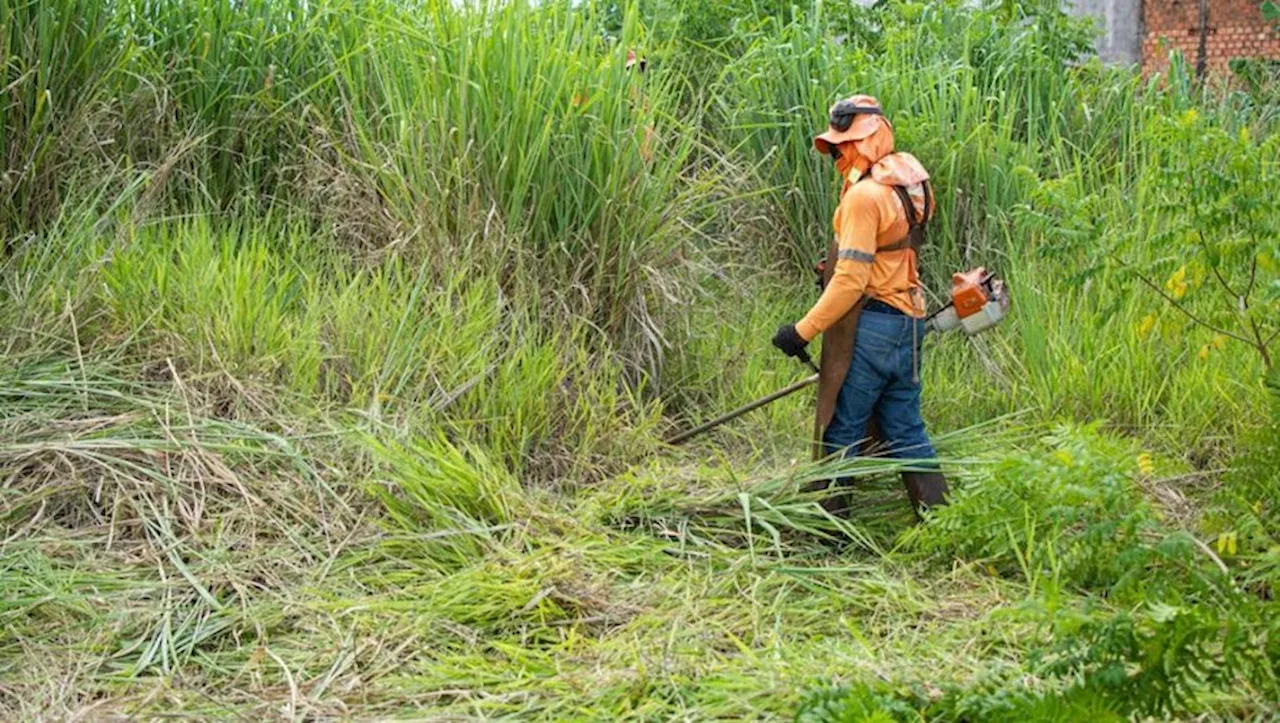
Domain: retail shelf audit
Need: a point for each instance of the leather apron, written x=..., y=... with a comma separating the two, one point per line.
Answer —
x=837, y=358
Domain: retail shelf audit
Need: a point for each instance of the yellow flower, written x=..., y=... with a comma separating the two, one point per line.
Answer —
x=1227, y=543
x=1203, y=353
x=1177, y=284
x=1146, y=325
x=1146, y=465
x=1219, y=341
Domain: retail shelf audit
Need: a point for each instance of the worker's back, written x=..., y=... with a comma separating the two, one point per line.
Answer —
x=875, y=203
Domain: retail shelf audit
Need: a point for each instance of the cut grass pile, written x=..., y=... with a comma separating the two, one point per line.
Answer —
x=159, y=558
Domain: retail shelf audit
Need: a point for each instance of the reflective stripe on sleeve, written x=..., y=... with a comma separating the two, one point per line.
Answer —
x=856, y=255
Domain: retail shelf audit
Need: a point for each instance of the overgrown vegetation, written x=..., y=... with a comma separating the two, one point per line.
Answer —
x=339, y=341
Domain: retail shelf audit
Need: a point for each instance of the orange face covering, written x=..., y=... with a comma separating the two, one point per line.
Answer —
x=857, y=156
x=850, y=161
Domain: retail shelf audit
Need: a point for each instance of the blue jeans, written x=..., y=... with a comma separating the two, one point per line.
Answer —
x=882, y=381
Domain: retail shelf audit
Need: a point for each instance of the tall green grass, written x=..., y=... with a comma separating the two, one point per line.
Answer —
x=260, y=307
x=508, y=141
x=503, y=136
x=62, y=61
x=514, y=138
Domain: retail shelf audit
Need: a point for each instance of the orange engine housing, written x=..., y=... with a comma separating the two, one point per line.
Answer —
x=967, y=293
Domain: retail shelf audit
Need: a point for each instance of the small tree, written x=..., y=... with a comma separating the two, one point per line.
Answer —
x=1215, y=197
x=1199, y=226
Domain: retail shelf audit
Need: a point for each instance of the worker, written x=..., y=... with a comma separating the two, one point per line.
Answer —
x=872, y=311
x=635, y=62
x=639, y=103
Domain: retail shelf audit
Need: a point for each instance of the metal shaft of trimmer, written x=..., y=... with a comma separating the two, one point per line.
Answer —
x=730, y=416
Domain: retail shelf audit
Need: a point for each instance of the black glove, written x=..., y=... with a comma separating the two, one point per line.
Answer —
x=788, y=340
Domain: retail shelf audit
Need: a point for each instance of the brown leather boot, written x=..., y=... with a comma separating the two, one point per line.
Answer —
x=836, y=504
x=926, y=489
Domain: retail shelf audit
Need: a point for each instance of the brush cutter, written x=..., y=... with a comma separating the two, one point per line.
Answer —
x=978, y=302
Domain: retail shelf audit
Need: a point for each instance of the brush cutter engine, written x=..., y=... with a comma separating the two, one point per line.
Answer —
x=979, y=301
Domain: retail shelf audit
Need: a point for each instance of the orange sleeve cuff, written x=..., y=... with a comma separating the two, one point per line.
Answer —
x=806, y=329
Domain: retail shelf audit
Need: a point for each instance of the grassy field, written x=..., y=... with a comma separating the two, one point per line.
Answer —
x=338, y=341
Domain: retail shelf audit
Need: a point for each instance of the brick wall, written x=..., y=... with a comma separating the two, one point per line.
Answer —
x=1236, y=30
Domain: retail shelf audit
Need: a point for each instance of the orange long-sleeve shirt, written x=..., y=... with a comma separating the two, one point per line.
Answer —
x=869, y=216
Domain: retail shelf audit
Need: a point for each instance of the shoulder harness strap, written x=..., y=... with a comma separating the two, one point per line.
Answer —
x=915, y=224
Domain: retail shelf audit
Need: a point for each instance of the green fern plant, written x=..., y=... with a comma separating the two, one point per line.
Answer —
x=1069, y=513
x=1157, y=659
x=857, y=703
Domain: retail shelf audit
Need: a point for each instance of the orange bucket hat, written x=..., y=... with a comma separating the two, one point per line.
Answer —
x=851, y=119
x=633, y=61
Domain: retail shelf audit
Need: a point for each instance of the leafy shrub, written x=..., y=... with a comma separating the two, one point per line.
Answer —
x=1172, y=625
x=1156, y=659
x=1097, y=665
x=1205, y=237
x=858, y=703
x=1071, y=512
x=1010, y=701
x=1242, y=512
